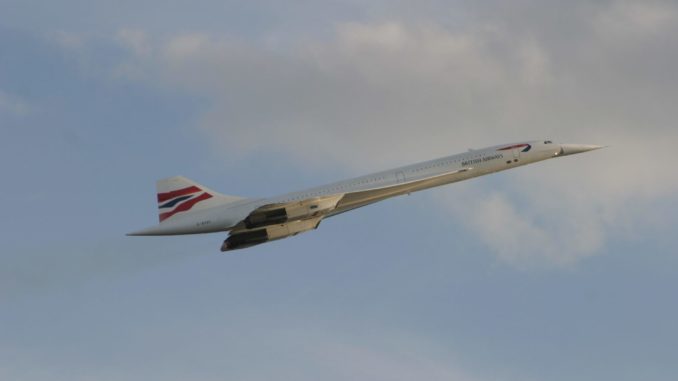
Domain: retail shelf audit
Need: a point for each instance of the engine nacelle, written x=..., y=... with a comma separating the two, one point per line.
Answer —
x=266, y=217
x=296, y=211
x=247, y=238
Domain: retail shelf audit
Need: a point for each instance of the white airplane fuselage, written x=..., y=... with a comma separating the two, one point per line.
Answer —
x=339, y=197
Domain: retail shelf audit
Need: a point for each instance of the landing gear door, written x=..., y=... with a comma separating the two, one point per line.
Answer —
x=516, y=153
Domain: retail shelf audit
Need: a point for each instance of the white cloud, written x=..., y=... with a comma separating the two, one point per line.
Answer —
x=373, y=84
x=534, y=227
x=380, y=94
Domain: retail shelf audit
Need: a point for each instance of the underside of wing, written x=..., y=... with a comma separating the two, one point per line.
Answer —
x=275, y=221
x=352, y=200
x=291, y=211
x=280, y=220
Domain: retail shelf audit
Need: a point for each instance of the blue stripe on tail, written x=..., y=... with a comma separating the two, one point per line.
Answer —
x=177, y=200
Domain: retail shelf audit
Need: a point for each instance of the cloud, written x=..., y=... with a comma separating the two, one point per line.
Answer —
x=379, y=94
x=531, y=234
x=347, y=92
x=561, y=211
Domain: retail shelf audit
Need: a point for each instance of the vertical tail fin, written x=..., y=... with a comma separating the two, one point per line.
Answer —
x=179, y=195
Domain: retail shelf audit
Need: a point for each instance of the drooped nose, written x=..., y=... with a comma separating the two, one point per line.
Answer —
x=571, y=149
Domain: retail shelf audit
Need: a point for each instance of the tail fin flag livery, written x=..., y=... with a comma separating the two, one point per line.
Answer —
x=181, y=195
x=186, y=207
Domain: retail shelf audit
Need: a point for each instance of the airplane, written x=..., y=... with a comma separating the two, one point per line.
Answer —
x=186, y=207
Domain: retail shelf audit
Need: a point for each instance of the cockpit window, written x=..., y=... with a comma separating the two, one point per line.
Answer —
x=548, y=142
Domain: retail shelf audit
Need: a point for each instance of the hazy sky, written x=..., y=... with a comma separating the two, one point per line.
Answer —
x=562, y=270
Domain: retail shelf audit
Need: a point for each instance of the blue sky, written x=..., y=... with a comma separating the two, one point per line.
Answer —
x=562, y=270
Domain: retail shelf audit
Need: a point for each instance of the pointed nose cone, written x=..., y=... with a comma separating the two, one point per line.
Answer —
x=571, y=149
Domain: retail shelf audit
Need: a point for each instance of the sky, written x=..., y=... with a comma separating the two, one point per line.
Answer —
x=561, y=270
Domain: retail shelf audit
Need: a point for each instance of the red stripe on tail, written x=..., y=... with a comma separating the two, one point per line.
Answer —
x=179, y=192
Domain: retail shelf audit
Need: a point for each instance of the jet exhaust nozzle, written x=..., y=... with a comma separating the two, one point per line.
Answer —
x=247, y=238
